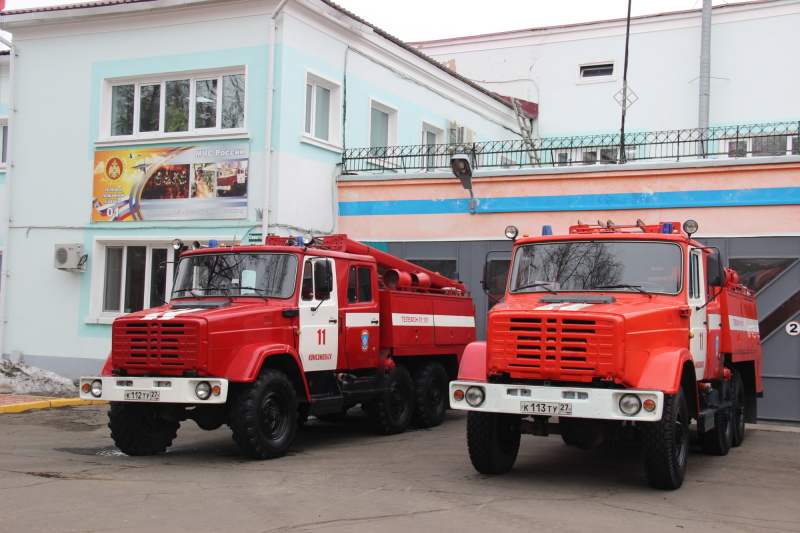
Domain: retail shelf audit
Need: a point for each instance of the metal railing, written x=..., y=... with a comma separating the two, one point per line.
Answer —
x=750, y=140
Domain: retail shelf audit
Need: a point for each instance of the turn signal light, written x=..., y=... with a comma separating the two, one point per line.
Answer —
x=458, y=395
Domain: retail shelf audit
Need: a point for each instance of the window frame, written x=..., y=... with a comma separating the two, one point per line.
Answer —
x=334, y=139
x=582, y=67
x=4, y=129
x=97, y=314
x=161, y=80
x=791, y=146
x=391, y=123
x=429, y=160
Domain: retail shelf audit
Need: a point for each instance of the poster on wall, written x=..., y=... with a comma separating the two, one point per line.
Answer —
x=171, y=183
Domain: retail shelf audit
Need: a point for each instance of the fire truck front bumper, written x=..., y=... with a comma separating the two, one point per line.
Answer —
x=155, y=389
x=529, y=400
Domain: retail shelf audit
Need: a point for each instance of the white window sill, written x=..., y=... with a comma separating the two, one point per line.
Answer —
x=188, y=137
x=307, y=139
x=103, y=318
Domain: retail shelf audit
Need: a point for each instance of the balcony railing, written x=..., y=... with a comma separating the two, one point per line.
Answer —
x=751, y=140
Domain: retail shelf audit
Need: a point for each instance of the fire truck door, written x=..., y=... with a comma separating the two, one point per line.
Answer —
x=319, y=318
x=362, y=319
x=698, y=323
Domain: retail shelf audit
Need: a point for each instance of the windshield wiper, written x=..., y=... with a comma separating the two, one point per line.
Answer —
x=543, y=284
x=634, y=287
x=260, y=292
x=184, y=291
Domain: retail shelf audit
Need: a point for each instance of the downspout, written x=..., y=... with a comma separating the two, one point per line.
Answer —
x=268, y=133
x=705, y=75
x=7, y=196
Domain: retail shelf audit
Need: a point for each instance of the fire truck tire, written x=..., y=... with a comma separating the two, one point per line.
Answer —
x=718, y=440
x=493, y=441
x=665, y=444
x=430, y=395
x=738, y=409
x=391, y=412
x=141, y=428
x=264, y=416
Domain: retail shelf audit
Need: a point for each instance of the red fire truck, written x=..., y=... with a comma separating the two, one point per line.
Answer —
x=261, y=337
x=612, y=332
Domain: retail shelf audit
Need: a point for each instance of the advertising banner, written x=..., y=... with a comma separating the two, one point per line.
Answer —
x=171, y=183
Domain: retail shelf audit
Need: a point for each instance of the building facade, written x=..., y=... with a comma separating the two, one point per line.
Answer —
x=739, y=178
x=138, y=122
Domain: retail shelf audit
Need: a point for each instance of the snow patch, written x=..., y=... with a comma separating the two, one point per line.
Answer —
x=19, y=378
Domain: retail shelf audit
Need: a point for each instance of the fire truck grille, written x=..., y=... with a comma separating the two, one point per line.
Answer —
x=152, y=345
x=555, y=347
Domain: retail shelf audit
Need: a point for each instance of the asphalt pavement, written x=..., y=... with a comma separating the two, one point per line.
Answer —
x=60, y=472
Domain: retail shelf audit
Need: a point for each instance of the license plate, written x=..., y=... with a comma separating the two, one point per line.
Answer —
x=141, y=395
x=545, y=408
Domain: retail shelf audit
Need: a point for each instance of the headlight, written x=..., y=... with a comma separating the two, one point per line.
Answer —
x=475, y=396
x=511, y=232
x=630, y=404
x=97, y=388
x=203, y=390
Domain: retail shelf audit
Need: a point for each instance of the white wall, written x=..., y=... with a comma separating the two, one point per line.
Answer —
x=752, y=78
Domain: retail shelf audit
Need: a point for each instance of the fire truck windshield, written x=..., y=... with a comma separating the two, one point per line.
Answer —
x=591, y=265
x=264, y=275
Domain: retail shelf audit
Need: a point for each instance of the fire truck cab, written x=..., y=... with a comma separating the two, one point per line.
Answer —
x=612, y=332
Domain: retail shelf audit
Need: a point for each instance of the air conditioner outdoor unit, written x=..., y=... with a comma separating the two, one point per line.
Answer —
x=69, y=257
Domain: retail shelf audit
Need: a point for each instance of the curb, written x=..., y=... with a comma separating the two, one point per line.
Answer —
x=19, y=404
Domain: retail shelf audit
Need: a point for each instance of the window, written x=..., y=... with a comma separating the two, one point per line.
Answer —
x=496, y=273
x=431, y=137
x=596, y=72
x=322, y=109
x=694, y=276
x=135, y=278
x=382, y=128
x=204, y=103
x=359, y=285
x=128, y=276
x=756, y=272
x=769, y=145
x=763, y=145
x=4, y=141
x=737, y=148
x=443, y=267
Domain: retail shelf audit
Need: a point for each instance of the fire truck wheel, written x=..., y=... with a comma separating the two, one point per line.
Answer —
x=264, y=416
x=493, y=441
x=665, y=444
x=430, y=395
x=738, y=409
x=391, y=412
x=718, y=440
x=142, y=428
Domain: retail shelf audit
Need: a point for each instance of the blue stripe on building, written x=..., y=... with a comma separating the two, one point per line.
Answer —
x=580, y=202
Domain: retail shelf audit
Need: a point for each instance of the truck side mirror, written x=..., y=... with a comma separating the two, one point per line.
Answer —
x=714, y=265
x=323, y=279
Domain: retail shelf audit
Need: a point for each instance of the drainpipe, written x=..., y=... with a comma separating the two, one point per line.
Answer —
x=268, y=132
x=7, y=196
x=705, y=75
